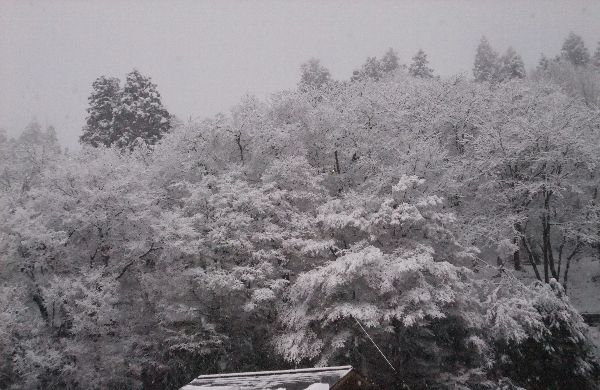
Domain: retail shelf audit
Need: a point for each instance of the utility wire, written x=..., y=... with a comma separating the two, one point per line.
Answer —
x=363, y=329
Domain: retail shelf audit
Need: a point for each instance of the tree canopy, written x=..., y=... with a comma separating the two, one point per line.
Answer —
x=418, y=66
x=574, y=50
x=121, y=116
x=411, y=209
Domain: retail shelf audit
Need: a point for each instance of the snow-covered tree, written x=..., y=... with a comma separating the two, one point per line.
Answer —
x=418, y=66
x=86, y=271
x=543, y=63
x=140, y=113
x=121, y=116
x=574, y=50
x=537, y=177
x=23, y=160
x=313, y=75
x=582, y=82
x=389, y=62
x=393, y=275
x=541, y=341
x=298, y=220
x=371, y=69
x=103, y=103
x=511, y=65
x=395, y=290
x=486, y=62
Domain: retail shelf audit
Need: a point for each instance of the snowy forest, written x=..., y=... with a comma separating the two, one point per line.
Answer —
x=426, y=230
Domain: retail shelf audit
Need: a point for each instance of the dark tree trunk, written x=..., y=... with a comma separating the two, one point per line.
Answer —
x=568, y=265
x=517, y=257
x=532, y=258
x=39, y=301
x=517, y=254
x=238, y=141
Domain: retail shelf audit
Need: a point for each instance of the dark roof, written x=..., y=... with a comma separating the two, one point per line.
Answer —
x=321, y=378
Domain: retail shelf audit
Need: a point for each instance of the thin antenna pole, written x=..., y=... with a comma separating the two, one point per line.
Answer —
x=363, y=329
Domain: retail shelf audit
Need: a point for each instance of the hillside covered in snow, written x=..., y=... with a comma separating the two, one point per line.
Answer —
x=454, y=222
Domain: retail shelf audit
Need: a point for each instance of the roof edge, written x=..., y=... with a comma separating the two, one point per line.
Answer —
x=261, y=373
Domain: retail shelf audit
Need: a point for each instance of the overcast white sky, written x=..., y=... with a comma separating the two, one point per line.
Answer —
x=205, y=54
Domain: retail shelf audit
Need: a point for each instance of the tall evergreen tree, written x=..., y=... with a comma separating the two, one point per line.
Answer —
x=99, y=128
x=418, y=67
x=543, y=63
x=33, y=137
x=140, y=113
x=120, y=116
x=313, y=75
x=486, y=62
x=389, y=62
x=574, y=50
x=32, y=134
x=372, y=68
x=511, y=65
x=51, y=139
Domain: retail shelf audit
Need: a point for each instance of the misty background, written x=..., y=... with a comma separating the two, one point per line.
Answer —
x=204, y=55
